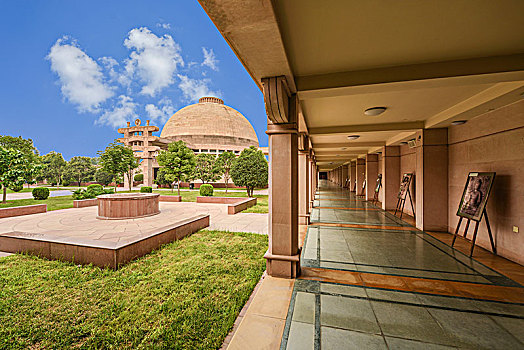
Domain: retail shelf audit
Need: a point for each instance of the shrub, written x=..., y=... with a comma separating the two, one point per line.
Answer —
x=139, y=177
x=92, y=191
x=206, y=190
x=40, y=193
x=17, y=188
x=66, y=183
x=146, y=189
x=95, y=188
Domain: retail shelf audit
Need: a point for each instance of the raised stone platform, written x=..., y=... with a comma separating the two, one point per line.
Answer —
x=76, y=235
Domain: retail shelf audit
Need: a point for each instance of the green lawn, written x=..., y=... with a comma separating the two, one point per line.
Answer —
x=53, y=203
x=186, y=295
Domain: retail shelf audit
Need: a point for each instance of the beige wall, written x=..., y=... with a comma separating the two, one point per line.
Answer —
x=493, y=141
x=408, y=164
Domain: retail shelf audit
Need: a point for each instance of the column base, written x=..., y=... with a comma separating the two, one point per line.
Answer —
x=282, y=266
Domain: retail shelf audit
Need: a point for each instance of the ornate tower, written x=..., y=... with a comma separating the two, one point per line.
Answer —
x=140, y=138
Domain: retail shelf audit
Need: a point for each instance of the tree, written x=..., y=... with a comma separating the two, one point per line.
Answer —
x=118, y=160
x=224, y=163
x=28, y=149
x=178, y=160
x=164, y=178
x=103, y=177
x=53, y=167
x=205, y=169
x=14, y=167
x=80, y=168
x=250, y=169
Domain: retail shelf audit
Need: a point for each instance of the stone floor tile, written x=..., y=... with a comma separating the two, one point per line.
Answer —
x=304, y=308
x=412, y=322
x=301, y=336
x=258, y=332
x=405, y=344
x=347, y=313
x=476, y=331
x=340, y=339
x=342, y=290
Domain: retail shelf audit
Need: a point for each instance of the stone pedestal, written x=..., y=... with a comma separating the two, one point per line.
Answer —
x=432, y=180
x=390, y=176
x=282, y=257
x=371, y=175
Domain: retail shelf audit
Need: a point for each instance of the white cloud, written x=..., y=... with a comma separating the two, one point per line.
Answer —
x=161, y=112
x=153, y=59
x=164, y=25
x=123, y=112
x=210, y=59
x=81, y=78
x=193, y=89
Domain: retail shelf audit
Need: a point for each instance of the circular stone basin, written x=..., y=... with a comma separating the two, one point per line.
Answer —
x=127, y=205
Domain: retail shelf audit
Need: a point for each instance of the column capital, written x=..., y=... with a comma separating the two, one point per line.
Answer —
x=284, y=128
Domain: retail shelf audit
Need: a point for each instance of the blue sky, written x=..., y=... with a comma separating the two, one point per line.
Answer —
x=73, y=71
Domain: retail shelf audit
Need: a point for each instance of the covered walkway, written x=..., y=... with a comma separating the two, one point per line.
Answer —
x=372, y=281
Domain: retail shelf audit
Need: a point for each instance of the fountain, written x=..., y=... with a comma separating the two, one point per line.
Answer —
x=120, y=206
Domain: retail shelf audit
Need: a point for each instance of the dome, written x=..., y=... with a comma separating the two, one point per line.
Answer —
x=209, y=122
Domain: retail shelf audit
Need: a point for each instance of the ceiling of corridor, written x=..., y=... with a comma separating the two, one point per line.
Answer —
x=429, y=62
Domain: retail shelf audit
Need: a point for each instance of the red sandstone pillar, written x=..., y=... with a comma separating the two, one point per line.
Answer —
x=371, y=175
x=361, y=174
x=390, y=176
x=303, y=187
x=352, y=175
x=283, y=254
x=432, y=180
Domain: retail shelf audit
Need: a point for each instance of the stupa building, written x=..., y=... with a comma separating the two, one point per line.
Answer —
x=208, y=126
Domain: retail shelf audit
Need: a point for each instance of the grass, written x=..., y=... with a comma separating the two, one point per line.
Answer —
x=53, y=203
x=186, y=295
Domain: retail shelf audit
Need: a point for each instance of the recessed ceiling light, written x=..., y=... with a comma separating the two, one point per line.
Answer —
x=353, y=137
x=373, y=111
x=343, y=148
x=459, y=122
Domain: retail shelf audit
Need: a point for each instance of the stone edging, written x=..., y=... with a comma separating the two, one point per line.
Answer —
x=22, y=210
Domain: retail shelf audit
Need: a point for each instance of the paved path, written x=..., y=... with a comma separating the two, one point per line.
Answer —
x=77, y=224
x=28, y=195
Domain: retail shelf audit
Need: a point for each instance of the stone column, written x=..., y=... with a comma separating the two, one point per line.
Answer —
x=432, y=180
x=303, y=187
x=352, y=175
x=371, y=175
x=361, y=174
x=390, y=176
x=344, y=175
x=283, y=253
x=147, y=169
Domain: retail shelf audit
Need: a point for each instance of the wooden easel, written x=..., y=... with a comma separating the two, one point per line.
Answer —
x=402, y=201
x=485, y=213
x=377, y=190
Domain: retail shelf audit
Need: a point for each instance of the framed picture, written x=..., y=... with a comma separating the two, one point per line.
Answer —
x=379, y=183
x=404, y=185
x=475, y=195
